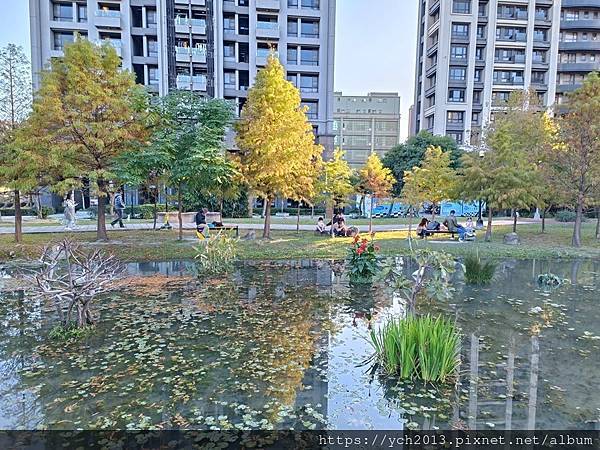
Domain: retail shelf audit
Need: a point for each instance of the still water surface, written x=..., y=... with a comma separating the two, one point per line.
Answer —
x=280, y=345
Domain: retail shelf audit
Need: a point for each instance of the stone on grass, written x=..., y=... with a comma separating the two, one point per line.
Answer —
x=250, y=236
x=512, y=239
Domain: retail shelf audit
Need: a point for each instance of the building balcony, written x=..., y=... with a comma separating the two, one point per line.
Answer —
x=579, y=3
x=183, y=24
x=561, y=88
x=107, y=18
x=579, y=45
x=262, y=55
x=435, y=6
x=193, y=2
x=583, y=24
x=117, y=44
x=268, y=4
x=197, y=54
x=517, y=81
x=195, y=83
x=267, y=30
x=579, y=67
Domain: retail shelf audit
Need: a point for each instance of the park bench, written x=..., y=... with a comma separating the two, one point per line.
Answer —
x=215, y=222
x=432, y=232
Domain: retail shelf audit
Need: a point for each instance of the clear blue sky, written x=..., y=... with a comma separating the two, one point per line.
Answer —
x=375, y=45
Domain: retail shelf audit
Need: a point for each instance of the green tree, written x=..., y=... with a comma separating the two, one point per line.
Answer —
x=506, y=175
x=17, y=168
x=278, y=155
x=409, y=154
x=376, y=181
x=576, y=159
x=433, y=181
x=86, y=114
x=335, y=181
x=187, y=148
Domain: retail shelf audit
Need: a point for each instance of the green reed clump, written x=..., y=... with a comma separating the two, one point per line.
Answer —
x=424, y=348
x=478, y=271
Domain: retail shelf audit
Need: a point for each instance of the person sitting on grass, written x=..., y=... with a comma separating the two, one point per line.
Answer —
x=469, y=226
x=339, y=228
x=321, y=229
x=422, y=228
x=453, y=226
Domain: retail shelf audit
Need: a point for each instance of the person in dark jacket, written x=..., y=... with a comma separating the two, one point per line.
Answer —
x=201, y=225
x=119, y=206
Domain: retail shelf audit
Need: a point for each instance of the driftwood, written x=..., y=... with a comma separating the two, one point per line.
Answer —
x=72, y=278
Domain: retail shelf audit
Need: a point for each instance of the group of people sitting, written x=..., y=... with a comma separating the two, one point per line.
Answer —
x=450, y=224
x=337, y=226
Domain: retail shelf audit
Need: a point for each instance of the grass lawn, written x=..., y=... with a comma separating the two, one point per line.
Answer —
x=163, y=245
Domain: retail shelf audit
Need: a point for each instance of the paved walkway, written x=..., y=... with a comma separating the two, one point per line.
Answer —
x=32, y=229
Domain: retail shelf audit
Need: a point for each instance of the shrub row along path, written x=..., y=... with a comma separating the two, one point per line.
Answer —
x=35, y=229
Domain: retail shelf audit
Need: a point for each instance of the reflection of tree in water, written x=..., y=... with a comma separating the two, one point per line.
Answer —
x=173, y=352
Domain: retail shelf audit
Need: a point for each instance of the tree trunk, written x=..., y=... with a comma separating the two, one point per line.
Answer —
x=267, y=210
x=391, y=208
x=488, y=231
x=101, y=234
x=298, y=220
x=544, y=220
x=515, y=221
x=433, y=208
x=38, y=205
x=371, y=216
x=250, y=205
x=155, y=210
x=18, y=217
x=597, y=222
x=576, y=241
x=179, y=211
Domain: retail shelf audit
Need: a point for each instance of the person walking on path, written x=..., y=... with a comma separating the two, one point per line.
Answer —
x=119, y=206
x=69, y=206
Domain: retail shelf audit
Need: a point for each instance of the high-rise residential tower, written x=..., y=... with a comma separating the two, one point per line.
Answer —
x=471, y=54
x=579, y=45
x=215, y=47
x=366, y=124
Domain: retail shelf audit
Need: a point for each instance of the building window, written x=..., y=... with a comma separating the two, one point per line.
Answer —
x=458, y=74
x=455, y=117
x=292, y=27
x=460, y=30
x=309, y=56
x=62, y=38
x=152, y=48
x=478, y=75
x=151, y=18
x=229, y=24
x=461, y=6
x=152, y=75
x=456, y=95
x=309, y=83
x=63, y=11
x=477, y=97
x=458, y=52
x=229, y=80
x=229, y=50
x=309, y=28
x=313, y=110
x=475, y=118
x=430, y=122
x=292, y=55
x=82, y=13
x=479, y=51
x=457, y=136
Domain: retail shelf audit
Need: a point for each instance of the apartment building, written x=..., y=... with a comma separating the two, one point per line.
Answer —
x=214, y=47
x=472, y=54
x=366, y=124
x=579, y=44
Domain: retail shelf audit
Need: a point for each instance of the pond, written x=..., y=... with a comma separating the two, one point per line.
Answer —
x=281, y=345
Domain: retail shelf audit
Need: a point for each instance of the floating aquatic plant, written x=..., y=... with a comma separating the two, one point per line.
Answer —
x=478, y=271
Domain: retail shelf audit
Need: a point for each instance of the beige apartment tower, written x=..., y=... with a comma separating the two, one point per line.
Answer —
x=366, y=124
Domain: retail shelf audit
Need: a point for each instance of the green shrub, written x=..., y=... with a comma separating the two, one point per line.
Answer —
x=24, y=211
x=215, y=255
x=477, y=271
x=565, y=216
x=46, y=211
x=70, y=331
x=418, y=347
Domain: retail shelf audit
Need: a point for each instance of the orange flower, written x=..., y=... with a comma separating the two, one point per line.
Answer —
x=356, y=238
